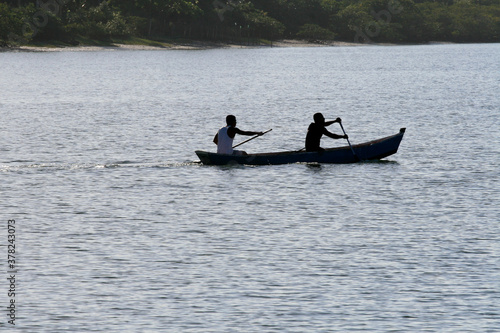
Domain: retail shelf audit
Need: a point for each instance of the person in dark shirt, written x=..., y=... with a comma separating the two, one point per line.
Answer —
x=316, y=131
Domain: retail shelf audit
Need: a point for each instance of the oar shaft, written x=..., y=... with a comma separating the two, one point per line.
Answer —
x=340, y=123
x=253, y=137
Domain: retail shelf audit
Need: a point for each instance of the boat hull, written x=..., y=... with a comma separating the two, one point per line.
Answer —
x=372, y=150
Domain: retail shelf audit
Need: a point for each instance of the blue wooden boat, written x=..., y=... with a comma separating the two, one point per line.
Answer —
x=372, y=150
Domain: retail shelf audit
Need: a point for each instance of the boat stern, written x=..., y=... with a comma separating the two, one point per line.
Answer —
x=203, y=156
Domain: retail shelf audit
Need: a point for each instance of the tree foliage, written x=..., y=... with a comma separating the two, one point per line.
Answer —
x=397, y=21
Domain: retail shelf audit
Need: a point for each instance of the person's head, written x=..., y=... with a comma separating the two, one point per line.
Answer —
x=318, y=118
x=231, y=120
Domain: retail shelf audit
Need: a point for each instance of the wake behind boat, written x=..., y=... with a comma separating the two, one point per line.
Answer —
x=372, y=150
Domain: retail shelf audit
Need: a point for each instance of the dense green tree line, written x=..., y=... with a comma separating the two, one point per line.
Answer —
x=397, y=21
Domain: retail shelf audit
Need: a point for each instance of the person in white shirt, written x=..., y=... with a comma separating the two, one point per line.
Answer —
x=224, y=137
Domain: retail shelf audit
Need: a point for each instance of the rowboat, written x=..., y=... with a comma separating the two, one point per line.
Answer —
x=371, y=150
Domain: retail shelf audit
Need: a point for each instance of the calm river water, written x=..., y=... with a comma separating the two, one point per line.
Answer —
x=119, y=229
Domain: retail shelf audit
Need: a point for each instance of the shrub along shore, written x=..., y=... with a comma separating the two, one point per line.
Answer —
x=225, y=23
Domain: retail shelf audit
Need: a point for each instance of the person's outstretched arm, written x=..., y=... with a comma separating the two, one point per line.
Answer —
x=328, y=123
x=238, y=131
x=334, y=136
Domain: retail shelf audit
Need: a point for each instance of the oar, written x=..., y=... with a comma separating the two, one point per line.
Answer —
x=253, y=137
x=340, y=123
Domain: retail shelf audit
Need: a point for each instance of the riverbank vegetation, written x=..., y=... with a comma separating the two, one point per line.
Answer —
x=74, y=22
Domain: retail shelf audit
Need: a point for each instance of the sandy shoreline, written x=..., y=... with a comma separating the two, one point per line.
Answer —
x=193, y=45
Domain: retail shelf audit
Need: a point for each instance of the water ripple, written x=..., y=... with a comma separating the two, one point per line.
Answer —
x=121, y=229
